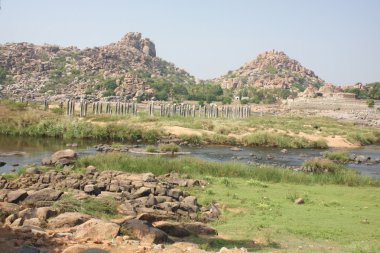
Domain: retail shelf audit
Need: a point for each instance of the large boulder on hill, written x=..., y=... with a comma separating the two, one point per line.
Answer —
x=97, y=230
x=144, y=231
x=68, y=220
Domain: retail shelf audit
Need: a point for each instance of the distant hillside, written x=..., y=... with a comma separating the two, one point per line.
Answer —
x=127, y=68
x=270, y=69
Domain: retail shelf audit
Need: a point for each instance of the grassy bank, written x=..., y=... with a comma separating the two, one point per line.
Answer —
x=17, y=119
x=340, y=213
x=262, y=216
x=200, y=168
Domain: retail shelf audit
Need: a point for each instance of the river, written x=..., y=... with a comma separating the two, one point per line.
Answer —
x=31, y=150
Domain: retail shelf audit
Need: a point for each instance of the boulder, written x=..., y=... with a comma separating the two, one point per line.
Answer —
x=16, y=196
x=90, y=170
x=199, y=228
x=141, y=192
x=144, y=231
x=97, y=230
x=91, y=189
x=32, y=171
x=189, y=204
x=31, y=249
x=32, y=222
x=68, y=220
x=44, y=213
x=2, y=163
x=362, y=159
x=46, y=194
x=7, y=209
x=63, y=157
x=175, y=193
x=299, y=201
x=172, y=228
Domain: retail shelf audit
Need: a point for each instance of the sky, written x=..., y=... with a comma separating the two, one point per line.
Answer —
x=338, y=39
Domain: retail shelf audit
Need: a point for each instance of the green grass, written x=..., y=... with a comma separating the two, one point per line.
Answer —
x=171, y=147
x=337, y=156
x=333, y=218
x=20, y=119
x=318, y=165
x=196, y=167
x=151, y=149
x=263, y=138
x=97, y=207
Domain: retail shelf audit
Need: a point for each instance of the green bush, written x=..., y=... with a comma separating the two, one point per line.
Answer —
x=318, y=165
x=263, y=138
x=98, y=207
x=192, y=139
x=337, y=156
x=169, y=147
x=370, y=102
x=151, y=149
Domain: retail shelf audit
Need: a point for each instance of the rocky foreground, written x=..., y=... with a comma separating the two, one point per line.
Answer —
x=154, y=214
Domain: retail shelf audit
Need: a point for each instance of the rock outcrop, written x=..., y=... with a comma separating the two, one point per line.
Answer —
x=36, y=71
x=272, y=69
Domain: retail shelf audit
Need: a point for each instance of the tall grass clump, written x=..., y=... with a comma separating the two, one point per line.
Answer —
x=337, y=156
x=318, y=165
x=171, y=147
x=200, y=168
x=263, y=138
x=192, y=139
x=364, y=138
x=98, y=207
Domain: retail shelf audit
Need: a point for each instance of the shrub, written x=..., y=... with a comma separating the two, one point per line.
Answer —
x=337, y=156
x=370, y=102
x=169, y=147
x=318, y=165
x=98, y=207
x=58, y=110
x=192, y=139
x=151, y=149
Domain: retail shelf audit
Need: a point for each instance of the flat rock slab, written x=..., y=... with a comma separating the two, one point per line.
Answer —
x=46, y=194
x=68, y=220
x=144, y=231
x=16, y=196
x=97, y=230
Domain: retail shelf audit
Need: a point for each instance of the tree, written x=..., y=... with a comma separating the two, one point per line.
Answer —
x=370, y=102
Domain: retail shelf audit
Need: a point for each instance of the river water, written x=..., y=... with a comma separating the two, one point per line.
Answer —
x=31, y=150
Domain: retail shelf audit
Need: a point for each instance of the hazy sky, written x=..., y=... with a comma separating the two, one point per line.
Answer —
x=338, y=39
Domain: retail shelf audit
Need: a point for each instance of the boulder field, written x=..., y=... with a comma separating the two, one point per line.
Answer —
x=153, y=213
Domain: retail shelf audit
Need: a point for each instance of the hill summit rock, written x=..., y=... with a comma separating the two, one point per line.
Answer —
x=118, y=68
x=271, y=69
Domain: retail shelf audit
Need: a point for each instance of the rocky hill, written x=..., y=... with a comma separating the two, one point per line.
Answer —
x=272, y=69
x=121, y=69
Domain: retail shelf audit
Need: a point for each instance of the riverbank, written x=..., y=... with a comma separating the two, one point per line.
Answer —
x=262, y=208
x=265, y=131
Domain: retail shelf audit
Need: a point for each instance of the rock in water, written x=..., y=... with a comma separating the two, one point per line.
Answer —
x=63, y=157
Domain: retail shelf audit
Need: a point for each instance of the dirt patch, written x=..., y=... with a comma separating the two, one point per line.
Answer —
x=177, y=131
x=332, y=141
